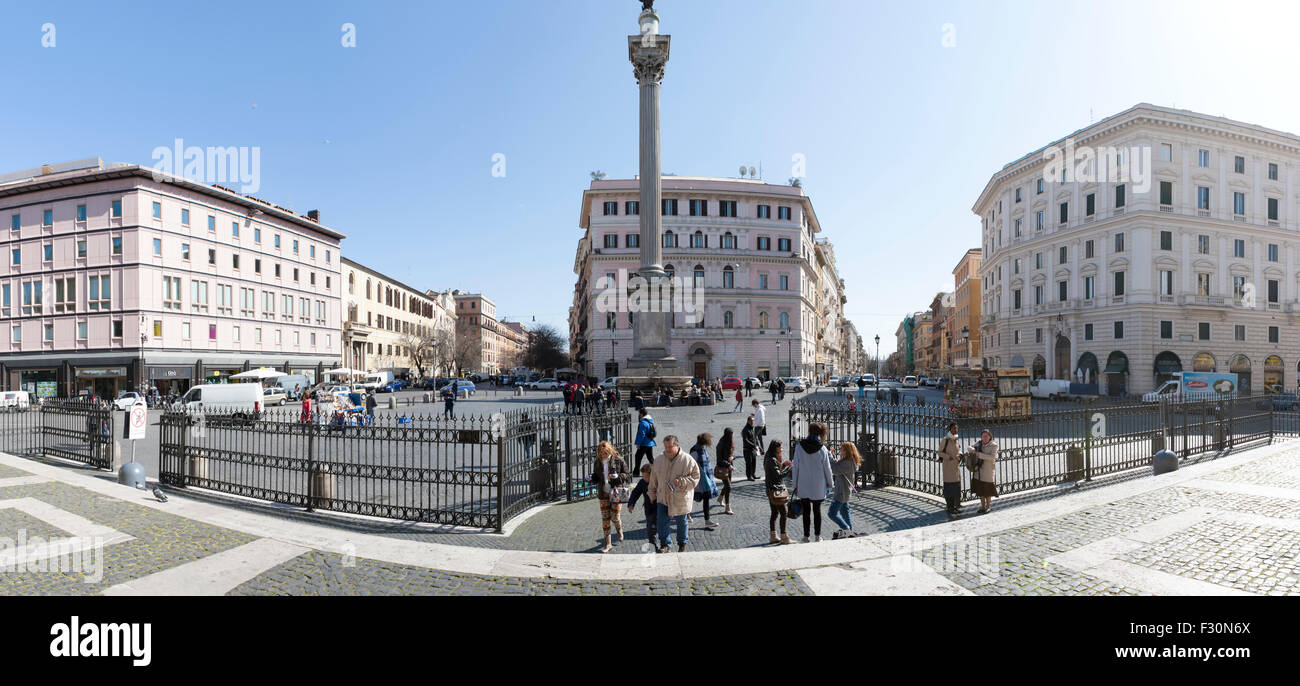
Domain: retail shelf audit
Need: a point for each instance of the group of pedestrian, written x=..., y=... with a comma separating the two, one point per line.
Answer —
x=795, y=487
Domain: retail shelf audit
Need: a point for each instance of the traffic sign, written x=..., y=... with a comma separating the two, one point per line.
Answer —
x=136, y=419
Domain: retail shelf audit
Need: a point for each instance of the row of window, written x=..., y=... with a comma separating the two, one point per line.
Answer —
x=1203, y=332
x=236, y=333
x=234, y=233
x=728, y=320
x=225, y=303
x=699, y=240
x=47, y=331
x=98, y=289
x=47, y=220
x=697, y=208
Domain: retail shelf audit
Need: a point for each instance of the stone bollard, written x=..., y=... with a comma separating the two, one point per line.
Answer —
x=392, y=403
x=132, y=474
x=1074, y=464
x=428, y=397
x=1164, y=462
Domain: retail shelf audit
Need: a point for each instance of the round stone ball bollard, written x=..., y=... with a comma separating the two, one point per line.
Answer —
x=132, y=474
x=1164, y=462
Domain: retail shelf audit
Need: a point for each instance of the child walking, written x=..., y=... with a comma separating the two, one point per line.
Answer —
x=647, y=508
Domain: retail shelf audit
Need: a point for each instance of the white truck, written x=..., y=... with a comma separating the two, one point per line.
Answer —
x=1050, y=388
x=376, y=379
x=237, y=399
x=1194, y=386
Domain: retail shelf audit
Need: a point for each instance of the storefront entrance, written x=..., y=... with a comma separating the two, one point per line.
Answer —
x=102, y=382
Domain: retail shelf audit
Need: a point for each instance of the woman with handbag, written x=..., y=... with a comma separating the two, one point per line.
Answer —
x=775, y=468
x=812, y=478
x=725, y=467
x=610, y=480
x=983, y=481
x=708, y=486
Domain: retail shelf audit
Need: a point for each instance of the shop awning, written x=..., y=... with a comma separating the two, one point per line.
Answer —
x=1116, y=365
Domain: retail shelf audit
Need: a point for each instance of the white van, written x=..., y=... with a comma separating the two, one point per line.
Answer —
x=1050, y=388
x=224, y=398
x=376, y=380
x=15, y=401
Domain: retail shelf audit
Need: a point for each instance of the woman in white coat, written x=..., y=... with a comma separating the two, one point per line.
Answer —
x=812, y=477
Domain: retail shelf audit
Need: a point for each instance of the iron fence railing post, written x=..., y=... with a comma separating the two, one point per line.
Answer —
x=568, y=458
x=309, y=432
x=501, y=482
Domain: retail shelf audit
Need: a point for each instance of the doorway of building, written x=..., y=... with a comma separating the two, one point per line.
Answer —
x=1062, y=357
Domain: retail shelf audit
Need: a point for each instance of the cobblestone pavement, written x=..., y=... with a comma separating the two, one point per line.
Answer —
x=160, y=540
x=321, y=573
x=1257, y=559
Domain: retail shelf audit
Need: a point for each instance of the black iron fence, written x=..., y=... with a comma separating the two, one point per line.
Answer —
x=70, y=429
x=900, y=443
x=471, y=471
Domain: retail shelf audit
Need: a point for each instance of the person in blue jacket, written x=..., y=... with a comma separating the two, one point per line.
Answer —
x=707, y=487
x=645, y=439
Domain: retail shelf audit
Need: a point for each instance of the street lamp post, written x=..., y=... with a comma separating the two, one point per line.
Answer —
x=877, y=359
x=778, y=359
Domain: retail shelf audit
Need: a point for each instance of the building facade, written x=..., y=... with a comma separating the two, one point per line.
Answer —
x=750, y=246
x=964, y=322
x=492, y=346
x=1128, y=280
x=115, y=280
x=387, y=323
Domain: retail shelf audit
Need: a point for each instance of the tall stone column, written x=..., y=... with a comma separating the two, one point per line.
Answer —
x=651, y=331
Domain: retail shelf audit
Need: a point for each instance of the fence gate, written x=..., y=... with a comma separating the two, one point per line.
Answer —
x=79, y=431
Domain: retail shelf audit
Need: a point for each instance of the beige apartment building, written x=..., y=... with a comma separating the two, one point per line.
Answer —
x=389, y=326
x=491, y=346
x=963, y=321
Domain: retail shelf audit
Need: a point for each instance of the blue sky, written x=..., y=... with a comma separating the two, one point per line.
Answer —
x=393, y=140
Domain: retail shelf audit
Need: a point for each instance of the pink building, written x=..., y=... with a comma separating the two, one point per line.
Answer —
x=114, y=281
x=751, y=247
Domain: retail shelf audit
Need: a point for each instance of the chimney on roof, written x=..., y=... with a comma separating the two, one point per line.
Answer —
x=46, y=169
x=314, y=215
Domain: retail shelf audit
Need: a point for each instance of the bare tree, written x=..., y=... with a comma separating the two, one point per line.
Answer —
x=419, y=348
x=444, y=351
x=467, y=354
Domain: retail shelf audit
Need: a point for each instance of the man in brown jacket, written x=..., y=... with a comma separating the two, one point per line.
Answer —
x=950, y=454
x=672, y=485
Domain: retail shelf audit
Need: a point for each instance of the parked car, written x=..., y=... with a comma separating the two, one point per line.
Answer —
x=609, y=384
x=461, y=385
x=834, y=381
x=274, y=396
x=794, y=384
x=127, y=399
x=547, y=384
x=756, y=383
x=731, y=383
x=870, y=379
x=910, y=381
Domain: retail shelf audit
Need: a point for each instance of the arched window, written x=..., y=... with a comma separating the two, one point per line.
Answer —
x=697, y=240
x=728, y=319
x=785, y=320
x=352, y=284
x=367, y=289
x=699, y=276
x=728, y=277
x=762, y=320
x=728, y=241
x=670, y=239
x=611, y=320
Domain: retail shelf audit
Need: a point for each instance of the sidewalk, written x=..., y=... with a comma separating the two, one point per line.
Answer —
x=1225, y=526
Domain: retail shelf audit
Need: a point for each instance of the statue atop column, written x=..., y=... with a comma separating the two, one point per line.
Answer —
x=647, y=5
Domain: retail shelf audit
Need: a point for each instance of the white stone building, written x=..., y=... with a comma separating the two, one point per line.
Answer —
x=1199, y=271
